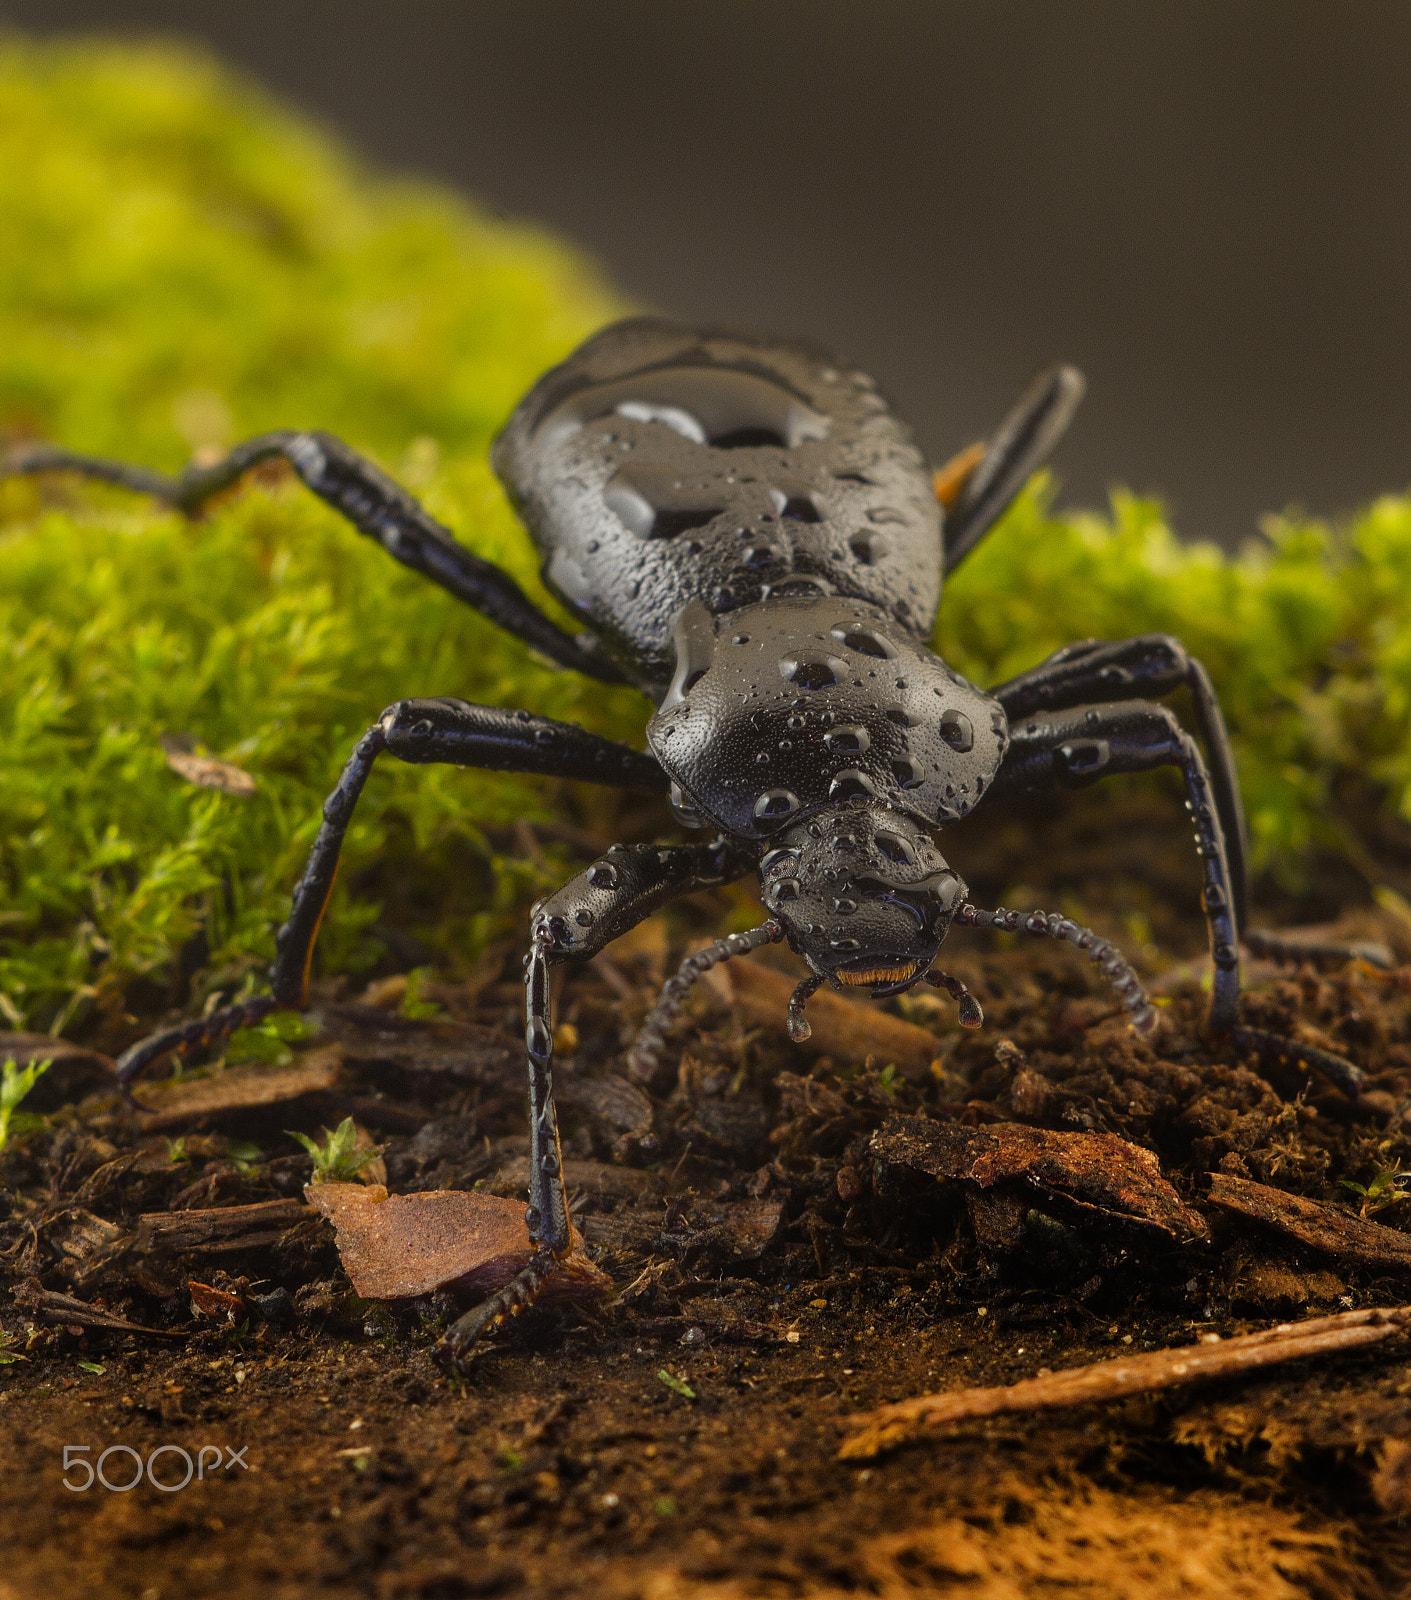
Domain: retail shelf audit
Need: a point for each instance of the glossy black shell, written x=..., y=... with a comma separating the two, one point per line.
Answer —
x=660, y=465
x=797, y=704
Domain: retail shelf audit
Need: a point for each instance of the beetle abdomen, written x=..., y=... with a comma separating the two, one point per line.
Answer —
x=659, y=465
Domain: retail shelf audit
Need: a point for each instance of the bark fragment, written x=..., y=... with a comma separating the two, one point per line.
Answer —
x=1321, y=1227
x=848, y=1030
x=1092, y=1171
x=170, y=1105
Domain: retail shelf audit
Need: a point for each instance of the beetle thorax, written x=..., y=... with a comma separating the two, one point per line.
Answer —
x=799, y=705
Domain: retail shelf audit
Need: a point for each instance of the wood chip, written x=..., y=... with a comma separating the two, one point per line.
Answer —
x=1097, y=1172
x=848, y=1030
x=49, y=1306
x=613, y=1100
x=217, y=1228
x=1320, y=1227
x=892, y=1425
x=396, y=1246
x=170, y=1104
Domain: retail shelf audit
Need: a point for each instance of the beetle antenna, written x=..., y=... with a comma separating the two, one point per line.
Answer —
x=971, y=1015
x=1105, y=956
x=644, y=1057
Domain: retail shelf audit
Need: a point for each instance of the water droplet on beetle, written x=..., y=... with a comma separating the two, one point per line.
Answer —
x=852, y=739
x=957, y=731
x=774, y=805
x=603, y=875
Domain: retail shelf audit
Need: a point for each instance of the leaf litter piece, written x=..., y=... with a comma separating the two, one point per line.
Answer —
x=1100, y=1381
x=396, y=1246
x=206, y=772
x=1096, y=1174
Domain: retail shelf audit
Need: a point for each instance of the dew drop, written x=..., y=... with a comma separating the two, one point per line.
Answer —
x=851, y=740
x=851, y=784
x=603, y=875
x=812, y=669
x=895, y=848
x=774, y=805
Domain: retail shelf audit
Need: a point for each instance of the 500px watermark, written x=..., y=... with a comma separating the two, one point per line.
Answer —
x=130, y=1472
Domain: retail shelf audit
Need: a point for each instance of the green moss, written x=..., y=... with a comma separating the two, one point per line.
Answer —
x=186, y=264
x=1307, y=635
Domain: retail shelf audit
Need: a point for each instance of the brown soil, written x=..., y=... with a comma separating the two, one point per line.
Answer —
x=776, y=1274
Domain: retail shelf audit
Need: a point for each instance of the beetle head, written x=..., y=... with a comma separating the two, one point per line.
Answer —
x=864, y=896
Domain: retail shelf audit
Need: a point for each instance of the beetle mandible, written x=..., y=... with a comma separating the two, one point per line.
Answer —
x=749, y=536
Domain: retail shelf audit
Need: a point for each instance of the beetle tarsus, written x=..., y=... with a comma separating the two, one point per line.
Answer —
x=189, y=1038
x=455, y=1345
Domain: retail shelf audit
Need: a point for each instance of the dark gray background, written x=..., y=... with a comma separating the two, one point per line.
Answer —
x=1203, y=204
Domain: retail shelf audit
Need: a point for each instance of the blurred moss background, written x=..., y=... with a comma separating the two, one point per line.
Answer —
x=184, y=263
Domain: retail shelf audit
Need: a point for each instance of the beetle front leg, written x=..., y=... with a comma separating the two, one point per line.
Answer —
x=1084, y=743
x=1078, y=746
x=1146, y=665
x=607, y=899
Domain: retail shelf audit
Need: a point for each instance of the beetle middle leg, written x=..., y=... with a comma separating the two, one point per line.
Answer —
x=1077, y=746
x=446, y=731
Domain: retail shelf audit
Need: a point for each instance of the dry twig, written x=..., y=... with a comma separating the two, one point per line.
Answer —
x=889, y=1426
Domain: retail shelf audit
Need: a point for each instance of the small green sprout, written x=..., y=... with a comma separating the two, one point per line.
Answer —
x=15, y=1084
x=337, y=1159
x=8, y=1357
x=676, y=1385
x=509, y=1460
x=176, y=1150
x=268, y=1042
x=887, y=1082
x=414, y=1005
x=1382, y=1190
x=93, y=1367
x=246, y=1155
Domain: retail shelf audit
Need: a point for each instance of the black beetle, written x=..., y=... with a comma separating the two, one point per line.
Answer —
x=751, y=537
